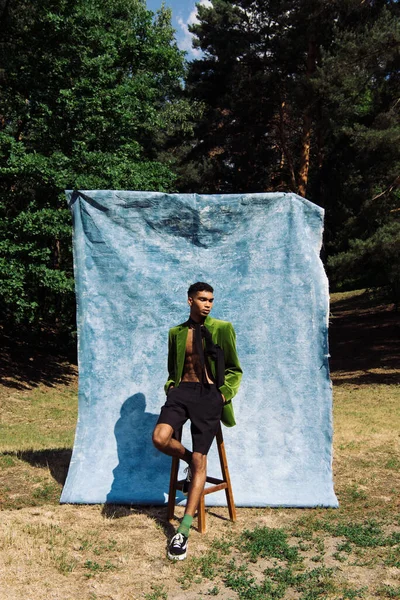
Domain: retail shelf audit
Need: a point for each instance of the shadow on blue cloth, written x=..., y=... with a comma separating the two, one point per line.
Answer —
x=142, y=473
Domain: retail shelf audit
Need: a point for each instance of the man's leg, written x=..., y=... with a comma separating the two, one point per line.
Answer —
x=203, y=407
x=199, y=472
x=198, y=468
x=205, y=417
x=178, y=545
x=163, y=441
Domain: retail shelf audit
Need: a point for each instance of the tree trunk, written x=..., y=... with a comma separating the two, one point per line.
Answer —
x=57, y=254
x=285, y=154
x=305, y=154
x=307, y=123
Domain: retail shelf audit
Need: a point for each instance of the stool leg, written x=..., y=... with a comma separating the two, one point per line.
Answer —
x=225, y=475
x=201, y=515
x=172, y=488
x=173, y=479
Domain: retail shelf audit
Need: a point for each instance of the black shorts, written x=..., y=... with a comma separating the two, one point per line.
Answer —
x=202, y=405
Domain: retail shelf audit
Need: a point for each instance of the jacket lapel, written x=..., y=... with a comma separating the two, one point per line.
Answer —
x=181, y=339
x=209, y=323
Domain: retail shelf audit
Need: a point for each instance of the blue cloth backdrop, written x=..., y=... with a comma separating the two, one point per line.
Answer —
x=135, y=255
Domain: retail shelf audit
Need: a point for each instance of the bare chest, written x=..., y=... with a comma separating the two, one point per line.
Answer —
x=190, y=344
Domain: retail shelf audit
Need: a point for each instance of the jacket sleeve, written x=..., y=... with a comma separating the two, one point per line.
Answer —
x=171, y=363
x=233, y=370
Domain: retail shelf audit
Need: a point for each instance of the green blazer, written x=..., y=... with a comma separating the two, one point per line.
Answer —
x=223, y=334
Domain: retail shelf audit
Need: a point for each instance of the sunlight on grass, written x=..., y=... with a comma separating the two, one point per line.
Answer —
x=39, y=419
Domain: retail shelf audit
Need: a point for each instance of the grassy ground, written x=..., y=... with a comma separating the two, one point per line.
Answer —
x=66, y=552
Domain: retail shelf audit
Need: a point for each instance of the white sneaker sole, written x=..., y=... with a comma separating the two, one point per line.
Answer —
x=177, y=556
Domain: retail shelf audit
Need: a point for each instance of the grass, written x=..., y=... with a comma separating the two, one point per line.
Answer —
x=94, y=567
x=264, y=541
x=388, y=591
x=87, y=552
x=158, y=593
x=33, y=418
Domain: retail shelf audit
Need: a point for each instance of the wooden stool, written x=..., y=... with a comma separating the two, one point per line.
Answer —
x=218, y=484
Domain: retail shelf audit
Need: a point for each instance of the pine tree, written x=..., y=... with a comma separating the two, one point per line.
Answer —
x=301, y=96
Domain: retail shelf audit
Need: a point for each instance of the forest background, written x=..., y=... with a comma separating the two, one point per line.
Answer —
x=298, y=96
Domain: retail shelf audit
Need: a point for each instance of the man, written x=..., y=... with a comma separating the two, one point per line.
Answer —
x=203, y=375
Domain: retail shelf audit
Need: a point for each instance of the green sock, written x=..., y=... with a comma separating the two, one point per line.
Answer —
x=184, y=527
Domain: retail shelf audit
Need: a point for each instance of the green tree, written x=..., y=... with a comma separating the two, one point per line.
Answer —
x=86, y=88
x=358, y=86
x=301, y=96
x=371, y=262
x=255, y=81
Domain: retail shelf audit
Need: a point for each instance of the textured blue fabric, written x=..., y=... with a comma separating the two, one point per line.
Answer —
x=135, y=255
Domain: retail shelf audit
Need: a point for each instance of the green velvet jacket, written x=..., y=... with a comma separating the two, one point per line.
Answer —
x=223, y=334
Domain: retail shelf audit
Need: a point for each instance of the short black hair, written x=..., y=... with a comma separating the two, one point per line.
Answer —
x=200, y=286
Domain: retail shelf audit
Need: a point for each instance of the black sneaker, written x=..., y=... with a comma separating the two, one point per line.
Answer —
x=177, y=548
x=186, y=483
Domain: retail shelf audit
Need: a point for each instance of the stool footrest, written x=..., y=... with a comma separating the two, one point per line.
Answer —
x=215, y=488
x=214, y=480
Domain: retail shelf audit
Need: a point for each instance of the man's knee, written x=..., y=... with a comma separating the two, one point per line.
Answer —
x=162, y=436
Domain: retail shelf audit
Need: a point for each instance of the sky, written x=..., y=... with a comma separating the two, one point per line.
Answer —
x=183, y=14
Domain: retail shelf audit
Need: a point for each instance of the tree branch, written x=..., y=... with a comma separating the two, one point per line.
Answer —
x=391, y=187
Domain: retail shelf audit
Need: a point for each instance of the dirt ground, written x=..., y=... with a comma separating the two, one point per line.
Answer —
x=53, y=552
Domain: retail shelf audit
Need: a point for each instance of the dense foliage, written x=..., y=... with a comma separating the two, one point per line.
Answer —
x=301, y=96
x=87, y=90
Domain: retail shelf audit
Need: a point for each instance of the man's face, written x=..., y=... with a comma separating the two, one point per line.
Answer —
x=200, y=304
